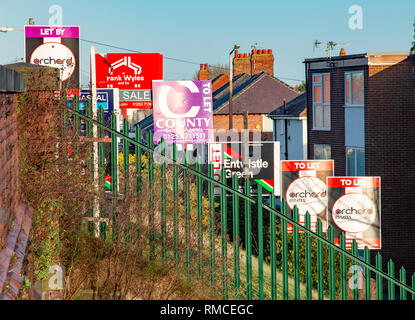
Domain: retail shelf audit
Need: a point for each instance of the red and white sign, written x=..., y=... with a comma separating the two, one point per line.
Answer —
x=303, y=184
x=132, y=74
x=354, y=209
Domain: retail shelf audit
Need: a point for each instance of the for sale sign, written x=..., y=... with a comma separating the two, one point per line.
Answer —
x=132, y=74
x=107, y=99
x=260, y=164
x=354, y=209
x=55, y=46
x=303, y=184
x=183, y=111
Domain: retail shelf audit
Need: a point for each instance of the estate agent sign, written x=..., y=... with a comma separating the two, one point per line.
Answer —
x=354, y=208
x=303, y=184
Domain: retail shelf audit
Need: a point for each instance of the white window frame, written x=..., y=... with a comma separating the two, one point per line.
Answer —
x=355, y=161
x=322, y=104
x=350, y=104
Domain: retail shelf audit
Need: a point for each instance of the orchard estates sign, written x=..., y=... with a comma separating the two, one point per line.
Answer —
x=354, y=209
x=303, y=184
x=57, y=47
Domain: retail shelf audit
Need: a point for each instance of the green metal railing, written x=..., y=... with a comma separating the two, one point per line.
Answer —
x=235, y=243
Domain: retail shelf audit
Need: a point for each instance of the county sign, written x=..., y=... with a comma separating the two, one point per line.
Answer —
x=55, y=46
x=132, y=74
x=303, y=184
x=354, y=209
x=183, y=111
x=260, y=165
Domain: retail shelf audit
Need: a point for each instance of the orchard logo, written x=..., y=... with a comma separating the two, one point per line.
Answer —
x=308, y=194
x=354, y=213
x=57, y=55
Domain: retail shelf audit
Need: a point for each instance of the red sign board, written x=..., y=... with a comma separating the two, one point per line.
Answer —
x=354, y=209
x=303, y=184
x=132, y=74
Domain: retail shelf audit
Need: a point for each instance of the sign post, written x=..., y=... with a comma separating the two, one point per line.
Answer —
x=96, y=209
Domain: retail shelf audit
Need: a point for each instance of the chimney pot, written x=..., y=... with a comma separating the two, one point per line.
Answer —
x=269, y=51
x=245, y=55
x=236, y=53
x=201, y=66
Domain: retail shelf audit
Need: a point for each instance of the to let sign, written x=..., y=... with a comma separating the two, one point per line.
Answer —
x=132, y=74
x=354, y=209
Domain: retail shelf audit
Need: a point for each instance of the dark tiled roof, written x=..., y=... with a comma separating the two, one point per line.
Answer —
x=294, y=108
x=237, y=81
x=257, y=94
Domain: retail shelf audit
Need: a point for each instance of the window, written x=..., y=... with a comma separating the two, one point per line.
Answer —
x=321, y=101
x=354, y=88
x=355, y=162
x=322, y=151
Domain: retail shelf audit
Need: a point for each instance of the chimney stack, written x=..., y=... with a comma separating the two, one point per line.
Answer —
x=262, y=61
x=204, y=72
x=257, y=61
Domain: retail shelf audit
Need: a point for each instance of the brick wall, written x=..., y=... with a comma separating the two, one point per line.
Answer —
x=9, y=192
x=390, y=153
x=221, y=122
x=15, y=216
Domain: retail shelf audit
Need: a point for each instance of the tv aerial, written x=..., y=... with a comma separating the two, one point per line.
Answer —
x=330, y=45
x=316, y=43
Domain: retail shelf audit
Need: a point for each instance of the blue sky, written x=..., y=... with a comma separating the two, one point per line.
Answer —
x=205, y=31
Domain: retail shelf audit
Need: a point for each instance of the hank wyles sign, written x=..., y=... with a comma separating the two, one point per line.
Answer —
x=55, y=46
x=354, y=209
x=132, y=74
x=183, y=111
x=303, y=184
x=260, y=164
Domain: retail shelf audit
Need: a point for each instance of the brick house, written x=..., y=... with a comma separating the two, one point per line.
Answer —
x=361, y=112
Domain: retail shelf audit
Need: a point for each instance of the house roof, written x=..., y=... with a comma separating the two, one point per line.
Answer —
x=294, y=108
x=258, y=94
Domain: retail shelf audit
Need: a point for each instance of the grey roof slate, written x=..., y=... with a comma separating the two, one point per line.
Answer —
x=294, y=108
